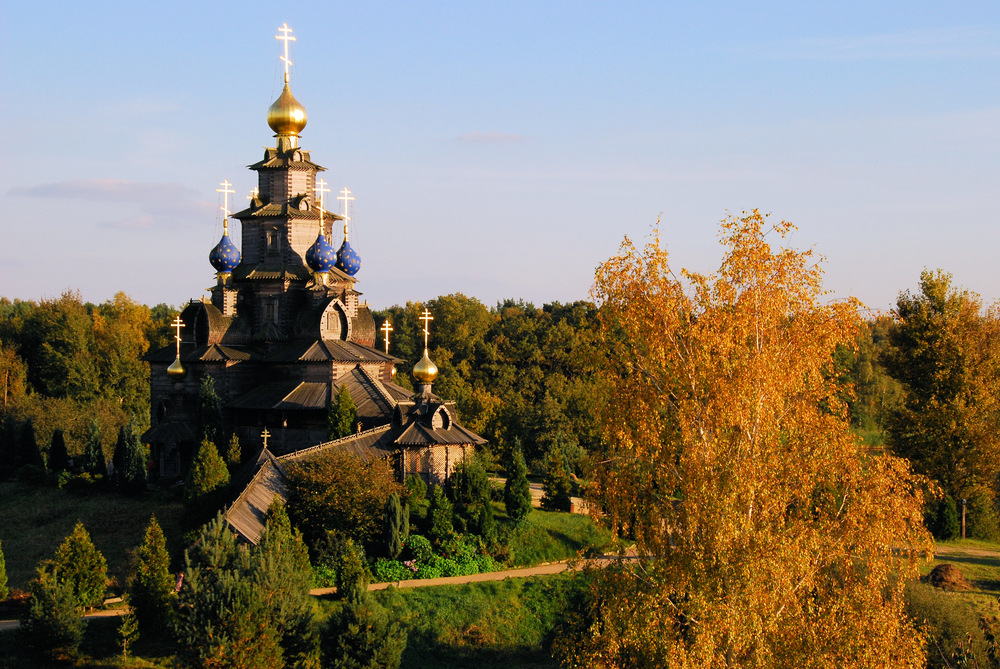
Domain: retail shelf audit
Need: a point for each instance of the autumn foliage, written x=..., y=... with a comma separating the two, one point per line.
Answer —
x=775, y=539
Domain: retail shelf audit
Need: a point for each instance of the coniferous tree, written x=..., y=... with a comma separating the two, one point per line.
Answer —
x=210, y=424
x=3, y=576
x=207, y=478
x=79, y=563
x=94, y=460
x=394, y=527
x=52, y=626
x=342, y=415
x=945, y=521
x=441, y=516
x=129, y=459
x=557, y=485
x=234, y=453
x=151, y=585
x=28, y=451
x=360, y=634
x=517, y=490
x=58, y=456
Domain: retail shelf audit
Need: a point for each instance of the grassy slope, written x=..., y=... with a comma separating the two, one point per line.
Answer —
x=505, y=624
x=35, y=520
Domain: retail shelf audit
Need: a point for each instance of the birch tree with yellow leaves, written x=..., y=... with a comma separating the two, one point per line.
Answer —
x=774, y=538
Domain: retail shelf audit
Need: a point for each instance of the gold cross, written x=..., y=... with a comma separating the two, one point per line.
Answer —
x=346, y=197
x=286, y=38
x=177, y=325
x=320, y=189
x=265, y=434
x=386, y=329
x=254, y=193
x=426, y=318
x=225, y=190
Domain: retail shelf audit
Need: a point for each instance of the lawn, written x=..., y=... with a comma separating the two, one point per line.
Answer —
x=548, y=536
x=34, y=520
x=504, y=624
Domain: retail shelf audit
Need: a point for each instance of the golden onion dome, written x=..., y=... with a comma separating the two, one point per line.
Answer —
x=286, y=116
x=425, y=370
x=176, y=370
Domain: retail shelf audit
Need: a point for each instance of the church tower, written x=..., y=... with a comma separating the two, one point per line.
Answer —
x=284, y=326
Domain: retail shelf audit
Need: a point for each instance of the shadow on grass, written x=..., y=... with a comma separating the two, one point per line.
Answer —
x=423, y=650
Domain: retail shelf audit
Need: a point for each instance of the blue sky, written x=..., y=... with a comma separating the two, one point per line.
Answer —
x=504, y=149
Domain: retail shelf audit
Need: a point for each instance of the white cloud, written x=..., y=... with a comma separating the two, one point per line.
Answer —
x=157, y=201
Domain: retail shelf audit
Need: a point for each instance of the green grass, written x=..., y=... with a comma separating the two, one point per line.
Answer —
x=548, y=536
x=34, y=520
x=101, y=649
x=508, y=624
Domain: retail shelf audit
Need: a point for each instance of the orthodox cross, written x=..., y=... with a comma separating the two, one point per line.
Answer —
x=177, y=325
x=253, y=194
x=286, y=38
x=346, y=197
x=225, y=190
x=386, y=329
x=320, y=189
x=426, y=318
x=265, y=434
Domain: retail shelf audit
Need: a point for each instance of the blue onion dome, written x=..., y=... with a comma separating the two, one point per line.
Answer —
x=321, y=257
x=348, y=260
x=225, y=257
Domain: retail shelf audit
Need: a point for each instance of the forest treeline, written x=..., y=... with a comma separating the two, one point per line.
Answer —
x=923, y=381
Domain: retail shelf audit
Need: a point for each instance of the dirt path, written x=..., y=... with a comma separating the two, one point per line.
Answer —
x=540, y=570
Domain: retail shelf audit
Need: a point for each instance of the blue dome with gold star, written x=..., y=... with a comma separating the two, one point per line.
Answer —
x=225, y=257
x=321, y=257
x=348, y=260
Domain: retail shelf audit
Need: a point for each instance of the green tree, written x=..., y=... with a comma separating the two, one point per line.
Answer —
x=394, y=522
x=207, y=478
x=517, y=490
x=94, y=460
x=234, y=453
x=128, y=629
x=946, y=353
x=360, y=634
x=51, y=625
x=151, y=584
x=416, y=500
x=79, y=563
x=120, y=326
x=28, y=451
x=557, y=484
x=3, y=576
x=58, y=456
x=775, y=538
x=442, y=516
x=472, y=496
x=129, y=459
x=945, y=524
x=222, y=614
x=340, y=492
x=210, y=424
x=342, y=415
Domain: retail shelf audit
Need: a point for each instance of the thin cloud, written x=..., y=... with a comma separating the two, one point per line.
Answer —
x=909, y=45
x=157, y=201
x=478, y=137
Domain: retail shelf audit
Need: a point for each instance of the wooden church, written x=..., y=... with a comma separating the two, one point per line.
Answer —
x=285, y=328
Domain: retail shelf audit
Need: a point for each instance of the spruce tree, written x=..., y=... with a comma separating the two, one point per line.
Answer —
x=209, y=412
x=207, y=478
x=151, y=585
x=441, y=516
x=3, y=576
x=52, y=626
x=234, y=453
x=360, y=634
x=79, y=563
x=28, y=451
x=94, y=461
x=130, y=459
x=517, y=490
x=342, y=415
x=557, y=484
x=58, y=456
x=394, y=527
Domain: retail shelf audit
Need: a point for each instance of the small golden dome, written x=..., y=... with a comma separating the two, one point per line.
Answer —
x=286, y=116
x=176, y=370
x=425, y=371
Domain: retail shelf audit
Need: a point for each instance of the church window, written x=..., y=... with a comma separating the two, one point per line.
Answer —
x=270, y=311
x=273, y=241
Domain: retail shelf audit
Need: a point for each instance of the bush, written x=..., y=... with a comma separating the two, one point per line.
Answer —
x=3, y=576
x=441, y=516
x=981, y=518
x=419, y=548
x=78, y=563
x=52, y=625
x=390, y=571
x=952, y=625
x=946, y=523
